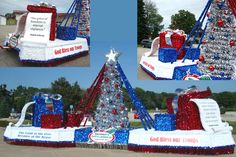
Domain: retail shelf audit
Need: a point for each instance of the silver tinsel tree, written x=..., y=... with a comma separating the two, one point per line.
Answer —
x=84, y=23
x=111, y=111
x=219, y=48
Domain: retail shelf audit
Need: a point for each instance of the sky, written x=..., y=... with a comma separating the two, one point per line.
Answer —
x=112, y=27
x=167, y=8
x=7, y=6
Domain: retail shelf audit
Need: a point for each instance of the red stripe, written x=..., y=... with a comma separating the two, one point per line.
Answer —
x=232, y=5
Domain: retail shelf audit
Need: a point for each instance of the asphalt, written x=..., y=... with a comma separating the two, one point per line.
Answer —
x=11, y=58
x=142, y=75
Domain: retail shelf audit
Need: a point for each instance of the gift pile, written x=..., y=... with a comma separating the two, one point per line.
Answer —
x=187, y=116
x=171, y=47
x=165, y=122
x=42, y=116
x=170, y=43
x=46, y=8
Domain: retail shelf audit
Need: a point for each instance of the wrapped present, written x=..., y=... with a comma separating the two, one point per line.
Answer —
x=189, y=118
x=51, y=121
x=173, y=39
x=167, y=55
x=165, y=122
x=66, y=33
x=192, y=53
x=73, y=120
x=46, y=9
x=41, y=108
x=170, y=109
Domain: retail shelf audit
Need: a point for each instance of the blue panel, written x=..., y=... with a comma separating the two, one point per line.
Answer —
x=165, y=122
x=81, y=135
x=121, y=137
x=66, y=33
x=167, y=55
x=192, y=53
x=181, y=72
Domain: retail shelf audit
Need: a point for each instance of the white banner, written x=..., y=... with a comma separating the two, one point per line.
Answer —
x=210, y=114
x=38, y=27
x=195, y=138
x=39, y=134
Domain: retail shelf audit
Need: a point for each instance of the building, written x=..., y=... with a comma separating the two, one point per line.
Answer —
x=3, y=20
x=18, y=13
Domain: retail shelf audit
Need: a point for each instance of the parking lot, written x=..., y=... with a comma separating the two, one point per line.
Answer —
x=142, y=75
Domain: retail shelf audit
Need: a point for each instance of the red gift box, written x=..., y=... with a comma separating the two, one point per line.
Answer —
x=51, y=121
x=170, y=109
x=177, y=42
x=44, y=9
x=73, y=120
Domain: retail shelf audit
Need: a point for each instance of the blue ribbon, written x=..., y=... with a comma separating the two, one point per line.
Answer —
x=144, y=116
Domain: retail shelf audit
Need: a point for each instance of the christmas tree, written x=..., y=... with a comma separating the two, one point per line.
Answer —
x=111, y=111
x=219, y=49
x=84, y=23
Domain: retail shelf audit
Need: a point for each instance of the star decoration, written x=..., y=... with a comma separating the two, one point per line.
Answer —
x=112, y=56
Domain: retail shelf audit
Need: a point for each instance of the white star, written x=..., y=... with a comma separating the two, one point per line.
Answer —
x=112, y=56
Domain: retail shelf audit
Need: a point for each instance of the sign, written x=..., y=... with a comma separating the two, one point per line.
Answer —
x=182, y=138
x=38, y=27
x=209, y=113
x=149, y=65
x=101, y=137
x=67, y=49
x=39, y=134
x=13, y=41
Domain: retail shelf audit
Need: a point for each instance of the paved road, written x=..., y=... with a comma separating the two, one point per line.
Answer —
x=141, y=74
x=7, y=150
x=11, y=59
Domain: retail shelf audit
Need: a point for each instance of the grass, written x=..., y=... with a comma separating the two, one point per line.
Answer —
x=233, y=124
x=135, y=124
x=4, y=123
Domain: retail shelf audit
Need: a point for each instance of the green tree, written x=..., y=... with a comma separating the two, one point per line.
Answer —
x=71, y=93
x=184, y=20
x=154, y=19
x=5, y=101
x=142, y=22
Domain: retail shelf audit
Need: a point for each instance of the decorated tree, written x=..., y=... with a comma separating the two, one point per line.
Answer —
x=111, y=111
x=84, y=23
x=219, y=49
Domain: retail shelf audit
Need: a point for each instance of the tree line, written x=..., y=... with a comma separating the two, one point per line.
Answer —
x=150, y=21
x=72, y=94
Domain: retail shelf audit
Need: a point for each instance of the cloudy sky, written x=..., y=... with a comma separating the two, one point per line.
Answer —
x=7, y=6
x=170, y=7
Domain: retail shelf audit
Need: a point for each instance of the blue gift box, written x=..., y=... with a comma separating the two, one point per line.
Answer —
x=167, y=55
x=165, y=122
x=66, y=33
x=192, y=53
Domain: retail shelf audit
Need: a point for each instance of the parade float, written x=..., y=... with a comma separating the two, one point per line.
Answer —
x=192, y=124
x=41, y=39
x=177, y=56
